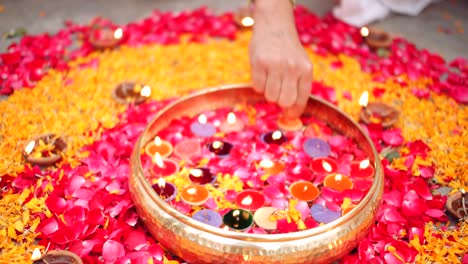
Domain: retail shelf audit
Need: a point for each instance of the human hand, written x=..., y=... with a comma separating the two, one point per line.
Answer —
x=281, y=69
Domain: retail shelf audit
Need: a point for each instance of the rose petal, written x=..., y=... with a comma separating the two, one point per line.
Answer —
x=112, y=250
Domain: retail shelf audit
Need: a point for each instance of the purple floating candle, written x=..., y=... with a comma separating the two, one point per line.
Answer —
x=316, y=148
x=201, y=128
x=322, y=214
x=209, y=217
x=201, y=176
x=165, y=190
x=220, y=148
x=273, y=137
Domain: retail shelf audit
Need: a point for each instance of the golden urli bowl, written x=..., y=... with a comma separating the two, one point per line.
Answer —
x=197, y=242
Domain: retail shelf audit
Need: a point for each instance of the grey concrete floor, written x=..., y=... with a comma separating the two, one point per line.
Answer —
x=38, y=16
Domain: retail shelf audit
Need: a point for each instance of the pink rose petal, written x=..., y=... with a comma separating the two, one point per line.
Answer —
x=112, y=251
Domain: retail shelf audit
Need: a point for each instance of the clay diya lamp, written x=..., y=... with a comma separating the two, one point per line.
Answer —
x=130, y=92
x=105, y=37
x=244, y=17
x=457, y=204
x=52, y=146
x=377, y=112
x=376, y=38
x=56, y=257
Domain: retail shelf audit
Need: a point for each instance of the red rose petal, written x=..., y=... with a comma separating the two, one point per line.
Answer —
x=136, y=240
x=393, y=137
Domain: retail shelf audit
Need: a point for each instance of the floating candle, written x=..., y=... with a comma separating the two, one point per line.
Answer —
x=304, y=191
x=316, y=148
x=187, y=149
x=250, y=200
x=105, y=37
x=220, y=148
x=209, y=217
x=163, y=167
x=130, y=92
x=289, y=124
x=201, y=176
x=201, y=128
x=232, y=124
x=238, y=219
x=166, y=190
x=55, y=257
x=338, y=182
x=194, y=195
x=263, y=218
x=362, y=169
x=271, y=167
x=162, y=147
x=274, y=137
x=377, y=112
x=324, y=165
x=44, y=150
x=376, y=38
x=322, y=214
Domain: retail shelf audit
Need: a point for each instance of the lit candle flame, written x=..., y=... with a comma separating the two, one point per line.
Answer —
x=364, y=99
x=247, y=200
x=247, y=21
x=145, y=91
x=365, y=32
x=236, y=213
x=202, y=119
x=36, y=255
x=266, y=163
x=30, y=147
x=157, y=141
x=192, y=191
x=326, y=166
x=217, y=144
x=118, y=33
x=338, y=177
x=158, y=160
x=364, y=164
x=231, y=118
x=305, y=188
x=276, y=135
x=196, y=172
x=161, y=183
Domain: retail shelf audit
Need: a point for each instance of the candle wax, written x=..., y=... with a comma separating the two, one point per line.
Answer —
x=262, y=218
x=209, y=217
x=304, y=191
x=167, y=191
x=324, y=165
x=271, y=167
x=289, y=124
x=163, y=147
x=168, y=168
x=362, y=169
x=194, y=195
x=187, y=149
x=238, y=219
x=201, y=176
x=220, y=148
x=316, y=148
x=274, y=137
x=232, y=124
x=250, y=200
x=201, y=128
x=322, y=214
x=338, y=182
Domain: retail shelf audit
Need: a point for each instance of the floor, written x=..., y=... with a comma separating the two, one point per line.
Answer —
x=438, y=28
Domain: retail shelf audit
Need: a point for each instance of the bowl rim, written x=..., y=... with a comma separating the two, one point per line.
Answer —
x=186, y=220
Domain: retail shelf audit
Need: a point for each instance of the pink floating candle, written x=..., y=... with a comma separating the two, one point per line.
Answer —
x=201, y=128
x=162, y=147
x=167, y=191
x=263, y=218
x=187, y=149
x=232, y=124
x=201, y=176
x=271, y=167
x=289, y=124
x=324, y=165
x=194, y=195
x=362, y=169
x=164, y=167
x=304, y=191
x=250, y=200
x=338, y=182
x=220, y=148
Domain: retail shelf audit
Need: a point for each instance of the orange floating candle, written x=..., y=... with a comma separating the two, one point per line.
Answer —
x=289, y=124
x=162, y=147
x=271, y=167
x=194, y=195
x=338, y=182
x=304, y=191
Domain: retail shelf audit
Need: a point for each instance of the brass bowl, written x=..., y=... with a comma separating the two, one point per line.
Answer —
x=196, y=242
